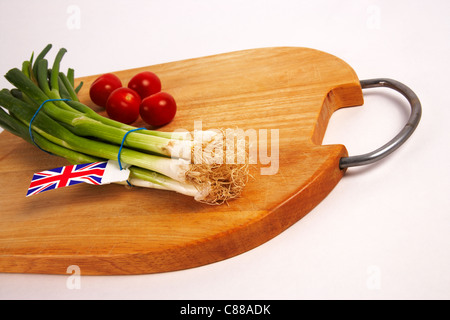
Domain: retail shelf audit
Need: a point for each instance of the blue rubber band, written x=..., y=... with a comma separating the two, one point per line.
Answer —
x=121, y=146
x=34, y=116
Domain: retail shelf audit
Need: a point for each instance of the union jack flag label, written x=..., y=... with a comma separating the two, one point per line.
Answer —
x=91, y=173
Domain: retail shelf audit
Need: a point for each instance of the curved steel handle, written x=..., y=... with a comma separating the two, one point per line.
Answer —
x=401, y=137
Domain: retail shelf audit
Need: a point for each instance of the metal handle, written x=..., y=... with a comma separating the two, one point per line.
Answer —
x=401, y=137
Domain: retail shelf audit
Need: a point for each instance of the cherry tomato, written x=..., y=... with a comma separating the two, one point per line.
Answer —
x=145, y=84
x=158, y=109
x=123, y=105
x=102, y=87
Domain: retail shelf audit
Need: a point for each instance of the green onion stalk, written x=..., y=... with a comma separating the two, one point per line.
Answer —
x=173, y=161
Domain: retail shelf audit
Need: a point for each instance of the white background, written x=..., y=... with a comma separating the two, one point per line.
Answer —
x=382, y=233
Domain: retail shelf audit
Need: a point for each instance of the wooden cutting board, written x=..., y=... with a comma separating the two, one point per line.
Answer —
x=111, y=229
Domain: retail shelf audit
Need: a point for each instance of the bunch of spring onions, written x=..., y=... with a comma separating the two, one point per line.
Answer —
x=74, y=131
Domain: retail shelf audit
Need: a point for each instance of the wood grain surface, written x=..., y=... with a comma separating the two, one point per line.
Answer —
x=112, y=229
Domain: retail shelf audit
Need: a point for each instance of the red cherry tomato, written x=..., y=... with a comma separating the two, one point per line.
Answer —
x=102, y=87
x=123, y=105
x=158, y=109
x=145, y=84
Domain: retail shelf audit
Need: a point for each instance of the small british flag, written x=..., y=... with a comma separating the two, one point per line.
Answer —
x=91, y=173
